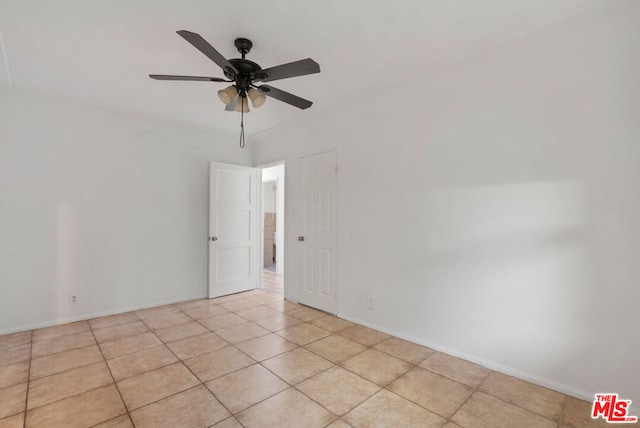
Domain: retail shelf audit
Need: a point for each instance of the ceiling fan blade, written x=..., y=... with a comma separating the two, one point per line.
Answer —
x=188, y=78
x=203, y=46
x=232, y=106
x=283, y=96
x=292, y=69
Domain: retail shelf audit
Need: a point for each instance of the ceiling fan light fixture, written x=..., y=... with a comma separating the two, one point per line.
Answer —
x=227, y=94
x=242, y=105
x=257, y=99
x=242, y=73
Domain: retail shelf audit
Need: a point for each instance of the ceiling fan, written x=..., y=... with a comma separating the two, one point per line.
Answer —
x=243, y=74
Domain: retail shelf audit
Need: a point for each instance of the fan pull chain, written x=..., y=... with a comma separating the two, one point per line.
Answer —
x=242, y=123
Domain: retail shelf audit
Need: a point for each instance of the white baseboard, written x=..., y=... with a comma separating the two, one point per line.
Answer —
x=547, y=383
x=95, y=315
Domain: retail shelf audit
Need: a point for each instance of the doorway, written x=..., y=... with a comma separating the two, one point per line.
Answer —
x=272, y=236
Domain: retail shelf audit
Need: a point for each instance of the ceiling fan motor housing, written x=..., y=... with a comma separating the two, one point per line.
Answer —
x=247, y=70
x=245, y=67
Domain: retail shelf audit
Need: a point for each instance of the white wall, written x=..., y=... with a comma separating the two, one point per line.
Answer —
x=110, y=207
x=492, y=209
x=276, y=173
x=269, y=197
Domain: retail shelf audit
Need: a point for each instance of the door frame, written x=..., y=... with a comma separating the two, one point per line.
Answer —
x=261, y=229
x=260, y=166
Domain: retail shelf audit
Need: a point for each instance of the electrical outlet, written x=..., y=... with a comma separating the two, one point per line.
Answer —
x=73, y=299
x=370, y=303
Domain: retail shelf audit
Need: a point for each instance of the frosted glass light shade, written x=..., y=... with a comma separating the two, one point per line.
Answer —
x=257, y=99
x=227, y=94
x=242, y=103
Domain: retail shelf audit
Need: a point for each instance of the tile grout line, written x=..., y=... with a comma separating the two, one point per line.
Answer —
x=385, y=387
x=57, y=400
x=514, y=404
x=112, y=378
x=477, y=387
x=564, y=410
x=67, y=370
x=272, y=356
x=189, y=368
x=417, y=365
x=382, y=388
x=235, y=371
x=448, y=419
x=272, y=395
x=414, y=366
x=266, y=368
x=147, y=371
x=26, y=398
x=294, y=386
x=59, y=337
x=178, y=393
x=322, y=405
x=181, y=361
x=133, y=352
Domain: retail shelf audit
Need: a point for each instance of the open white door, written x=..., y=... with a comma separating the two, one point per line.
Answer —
x=317, y=241
x=233, y=229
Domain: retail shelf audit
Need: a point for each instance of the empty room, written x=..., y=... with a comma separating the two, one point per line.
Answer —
x=320, y=214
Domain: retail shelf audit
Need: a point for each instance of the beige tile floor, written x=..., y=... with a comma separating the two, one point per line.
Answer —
x=255, y=360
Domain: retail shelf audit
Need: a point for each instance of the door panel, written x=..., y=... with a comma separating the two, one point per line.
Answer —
x=234, y=225
x=232, y=264
x=233, y=210
x=234, y=187
x=324, y=282
x=317, y=252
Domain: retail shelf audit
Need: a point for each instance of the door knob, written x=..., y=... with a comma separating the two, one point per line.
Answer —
x=213, y=238
x=300, y=238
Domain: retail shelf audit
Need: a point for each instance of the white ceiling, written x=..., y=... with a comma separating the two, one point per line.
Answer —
x=102, y=51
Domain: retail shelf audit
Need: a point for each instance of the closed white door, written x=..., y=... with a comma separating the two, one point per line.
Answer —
x=233, y=227
x=317, y=238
